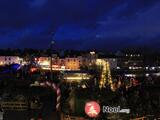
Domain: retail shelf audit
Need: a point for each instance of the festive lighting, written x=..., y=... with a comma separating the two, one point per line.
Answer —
x=45, y=63
x=84, y=86
x=147, y=74
x=92, y=53
x=153, y=68
x=33, y=69
x=106, y=75
x=118, y=68
x=77, y=78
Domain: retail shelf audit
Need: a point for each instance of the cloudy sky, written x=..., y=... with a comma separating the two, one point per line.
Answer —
x=79, y=24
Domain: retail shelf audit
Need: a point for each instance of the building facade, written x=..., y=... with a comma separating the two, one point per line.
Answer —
x=7, y=60
x=73, y=63
x=112, y=62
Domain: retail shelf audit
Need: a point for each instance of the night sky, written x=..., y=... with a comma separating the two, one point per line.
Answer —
x=79, y=24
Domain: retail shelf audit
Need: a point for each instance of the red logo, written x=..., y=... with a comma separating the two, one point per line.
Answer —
x=92, y=109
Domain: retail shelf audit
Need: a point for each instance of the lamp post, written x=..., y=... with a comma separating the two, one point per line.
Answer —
x=51, y=49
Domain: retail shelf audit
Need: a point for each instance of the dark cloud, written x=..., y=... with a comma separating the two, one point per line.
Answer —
x=78, y=24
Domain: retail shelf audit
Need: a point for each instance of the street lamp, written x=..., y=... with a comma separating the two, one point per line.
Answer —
x=51, y=49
